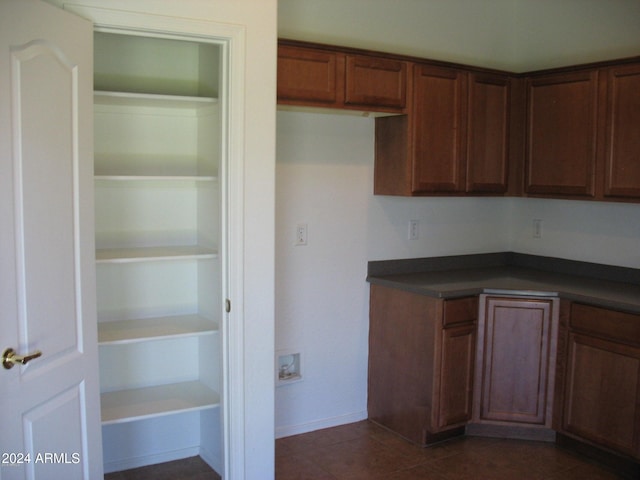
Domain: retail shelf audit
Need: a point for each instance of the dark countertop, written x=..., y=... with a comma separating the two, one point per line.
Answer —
x=512, y=274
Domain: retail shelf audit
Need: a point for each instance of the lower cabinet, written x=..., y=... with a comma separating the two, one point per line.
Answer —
x=515, y=366
x=421, y=354
x=514, y=378
x=602, y=385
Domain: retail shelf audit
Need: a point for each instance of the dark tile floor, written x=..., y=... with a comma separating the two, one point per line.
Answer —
x=364, y=451
x=193, y=468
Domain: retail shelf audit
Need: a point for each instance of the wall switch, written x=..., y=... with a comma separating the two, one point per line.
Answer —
x=301, y=234
x=537, y=228
x=413, y=229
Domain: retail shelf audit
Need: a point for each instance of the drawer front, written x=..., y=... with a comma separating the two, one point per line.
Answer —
x=611, y=324
x=460, y=310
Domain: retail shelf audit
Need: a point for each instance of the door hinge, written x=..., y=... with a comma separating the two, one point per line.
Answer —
x=227, y=305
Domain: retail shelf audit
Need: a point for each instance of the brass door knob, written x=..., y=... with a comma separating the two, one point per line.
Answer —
x=10, y=358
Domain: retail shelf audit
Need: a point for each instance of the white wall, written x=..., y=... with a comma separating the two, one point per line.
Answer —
x=587, y=231
x=324, y=177
x=553, y=33
x=516, y=35
x=466, y=31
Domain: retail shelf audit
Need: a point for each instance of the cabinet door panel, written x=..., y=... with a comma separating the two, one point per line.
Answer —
x=456, y=374
x=561, y=136
x=401, y=335
x=514, y=372
x=622, y=175
x=373, y=82
x=439, y=129
x=488, y=127
x=602, y=391
x=307, y=76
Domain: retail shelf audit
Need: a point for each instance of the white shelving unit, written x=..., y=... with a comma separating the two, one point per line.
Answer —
x=157, y=153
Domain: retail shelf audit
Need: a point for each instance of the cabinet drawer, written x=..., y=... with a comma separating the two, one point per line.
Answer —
x=460, y=310
x=619, y=326
x=372, y=81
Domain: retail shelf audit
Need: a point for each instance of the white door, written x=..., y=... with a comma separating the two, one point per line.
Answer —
x=49, y=407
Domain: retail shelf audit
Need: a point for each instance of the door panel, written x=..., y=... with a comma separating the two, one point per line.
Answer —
x=50, y=406
x=46, y=198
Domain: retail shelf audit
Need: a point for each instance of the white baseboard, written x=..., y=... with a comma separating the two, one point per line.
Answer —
x=288, y=430
x=135, y=462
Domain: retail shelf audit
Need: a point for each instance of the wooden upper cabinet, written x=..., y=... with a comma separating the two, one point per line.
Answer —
x=439, y=129
x=562, y=133
x=308, y=76
x=488, y=133
x=454, y=139
x=458, y=130
x=317, y=77
x=622, y=153
x=375, y=82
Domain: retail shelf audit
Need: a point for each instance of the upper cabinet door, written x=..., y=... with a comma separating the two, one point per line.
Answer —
x=47, y=299
x=439, y=129
x=561, y=133
x=307, y=76
x=622, y=174
x=488, y=133
x=375, y=82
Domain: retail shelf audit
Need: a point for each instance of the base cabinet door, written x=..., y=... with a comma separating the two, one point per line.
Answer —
x=602, y=384
x=601, y=402
x=421, y=354
x=456, y=387
x=516, y=348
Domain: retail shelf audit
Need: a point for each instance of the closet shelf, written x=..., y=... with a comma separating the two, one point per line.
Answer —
x=143, y=329
x=147, y=254
x=137, y=178
x=140, y=403
x=150, y=100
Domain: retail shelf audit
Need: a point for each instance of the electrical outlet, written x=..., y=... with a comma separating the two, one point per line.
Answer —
x=537, y=228
x=413, y=229
x=301, y=234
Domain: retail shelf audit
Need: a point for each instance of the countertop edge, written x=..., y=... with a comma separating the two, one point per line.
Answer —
x=494, y=273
